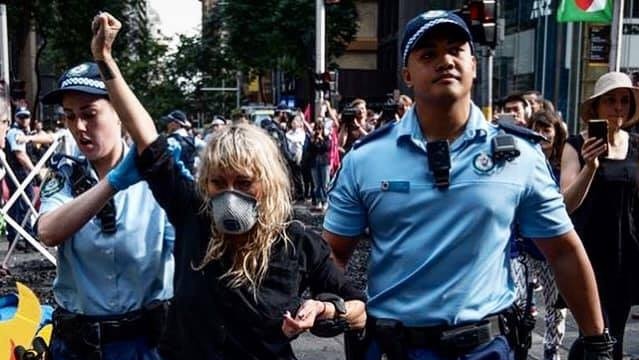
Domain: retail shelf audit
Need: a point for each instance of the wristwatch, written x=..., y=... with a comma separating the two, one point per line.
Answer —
x=337, y=301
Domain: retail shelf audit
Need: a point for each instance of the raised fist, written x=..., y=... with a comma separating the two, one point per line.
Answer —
x=105, y=29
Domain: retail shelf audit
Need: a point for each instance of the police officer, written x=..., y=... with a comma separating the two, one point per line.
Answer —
x=440, y=209
x=114, y=242
x=21, y=165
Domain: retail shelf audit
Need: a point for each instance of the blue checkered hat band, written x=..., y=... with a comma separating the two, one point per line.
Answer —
x=83, y=81
x=413, y=39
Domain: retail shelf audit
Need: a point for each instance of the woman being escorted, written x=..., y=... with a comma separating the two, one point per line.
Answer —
x=602, y=195
x=114, y=242
x=241, y=263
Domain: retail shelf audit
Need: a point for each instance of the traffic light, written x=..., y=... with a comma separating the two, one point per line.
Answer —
x=326, y=81
x=481, y=17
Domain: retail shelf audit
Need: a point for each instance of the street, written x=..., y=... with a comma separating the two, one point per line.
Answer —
x=31, y=269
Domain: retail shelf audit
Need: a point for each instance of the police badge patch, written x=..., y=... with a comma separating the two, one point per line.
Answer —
x=79, y=70
x=483, y=164
x=53, y=183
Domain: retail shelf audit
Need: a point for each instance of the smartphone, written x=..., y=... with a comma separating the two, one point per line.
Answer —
x=506, y=117
x=598, y=128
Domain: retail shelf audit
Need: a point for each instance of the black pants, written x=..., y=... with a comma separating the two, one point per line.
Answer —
x=616, y=310
x=298, y=181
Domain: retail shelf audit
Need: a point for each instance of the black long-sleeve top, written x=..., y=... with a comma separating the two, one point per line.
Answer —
x=209, y=318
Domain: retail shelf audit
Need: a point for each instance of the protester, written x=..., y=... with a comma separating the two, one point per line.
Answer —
x=405, y=102
x=517, y=105
x=296, y=140
x=440, y=211
x=533, y=264
x=242, y=263
x=216, y=125
x=319, y=161
x=601, y=192
x=535, y=99
x=114, y=242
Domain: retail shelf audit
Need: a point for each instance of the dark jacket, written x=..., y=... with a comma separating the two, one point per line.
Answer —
x=208, y=317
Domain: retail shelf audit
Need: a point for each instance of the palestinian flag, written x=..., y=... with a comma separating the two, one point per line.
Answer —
x=596, y=11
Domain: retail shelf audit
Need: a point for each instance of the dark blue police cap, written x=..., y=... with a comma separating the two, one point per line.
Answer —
x=422, y=24
x=83, y=78
x=177, y=116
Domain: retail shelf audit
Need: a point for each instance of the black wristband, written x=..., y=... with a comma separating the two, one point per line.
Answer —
x=105, y=70
x=601, y=338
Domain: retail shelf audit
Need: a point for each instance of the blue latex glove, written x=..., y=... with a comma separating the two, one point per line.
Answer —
x=176, y=150
x=125, y=173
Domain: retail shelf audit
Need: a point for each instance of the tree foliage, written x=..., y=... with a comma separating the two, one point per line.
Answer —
x=268, y=34
x=64, y=26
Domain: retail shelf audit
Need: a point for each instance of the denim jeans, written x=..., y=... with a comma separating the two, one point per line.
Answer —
x=320, y=180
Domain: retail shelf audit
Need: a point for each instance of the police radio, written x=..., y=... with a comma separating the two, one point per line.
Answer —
x=504, y=148
x=439, y=162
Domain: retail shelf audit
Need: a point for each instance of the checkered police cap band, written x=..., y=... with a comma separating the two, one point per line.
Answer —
x=84, y=82
x=418, y=26
x=83, y=78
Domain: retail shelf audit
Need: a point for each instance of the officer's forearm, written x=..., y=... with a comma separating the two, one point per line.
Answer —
x=56, y=226
x=341, y=248
x=575, y=280
x=41, y=138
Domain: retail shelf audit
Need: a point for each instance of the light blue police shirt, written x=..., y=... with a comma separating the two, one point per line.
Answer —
x=441, y=256
x=12, y=139
x=109, y=274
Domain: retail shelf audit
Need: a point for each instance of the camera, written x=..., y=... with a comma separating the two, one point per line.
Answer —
x=348, y=115
x=390, y=109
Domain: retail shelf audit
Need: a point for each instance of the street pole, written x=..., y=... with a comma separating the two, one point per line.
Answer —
x=4, y=54
x=489, y=103
x=616, y=36
x=237, y=89
x=320, y=51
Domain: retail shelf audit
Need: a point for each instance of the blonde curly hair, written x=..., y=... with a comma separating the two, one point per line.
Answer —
x=247, y=149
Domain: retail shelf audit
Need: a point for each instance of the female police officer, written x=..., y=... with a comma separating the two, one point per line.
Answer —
x=114, y=242
x=241, y=264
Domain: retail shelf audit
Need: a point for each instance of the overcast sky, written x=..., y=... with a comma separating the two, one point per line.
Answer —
x=178, y=16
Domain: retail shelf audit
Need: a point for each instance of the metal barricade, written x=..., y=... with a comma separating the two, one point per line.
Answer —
x=20, y=192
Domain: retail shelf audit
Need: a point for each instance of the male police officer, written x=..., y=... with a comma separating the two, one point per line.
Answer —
x=440, y=210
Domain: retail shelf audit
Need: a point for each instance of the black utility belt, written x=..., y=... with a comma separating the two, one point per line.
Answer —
x=92, y=331
x=455, y=339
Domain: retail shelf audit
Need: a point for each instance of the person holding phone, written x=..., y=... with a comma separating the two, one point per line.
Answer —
x=601, y=193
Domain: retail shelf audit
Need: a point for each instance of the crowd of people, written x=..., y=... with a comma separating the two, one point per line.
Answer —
x=183, y=244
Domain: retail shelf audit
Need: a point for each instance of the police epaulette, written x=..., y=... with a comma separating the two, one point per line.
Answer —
x=521, y=131
x=374, y=135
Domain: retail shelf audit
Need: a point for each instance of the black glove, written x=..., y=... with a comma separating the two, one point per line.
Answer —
x=598, y=347
x=329, y=327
